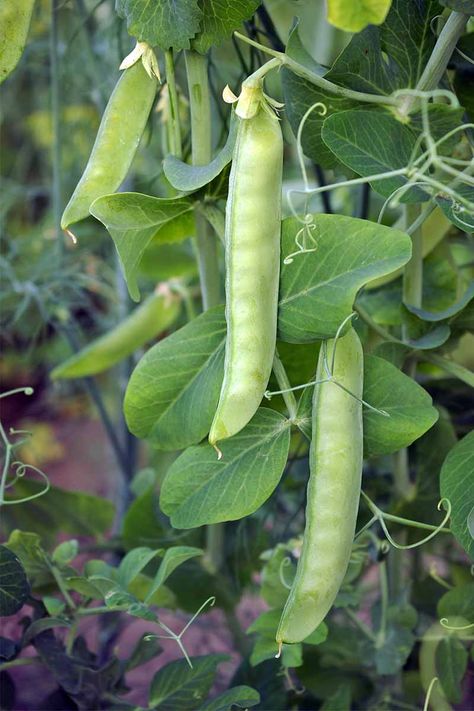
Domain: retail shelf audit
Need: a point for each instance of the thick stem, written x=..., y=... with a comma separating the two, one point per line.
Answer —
x=175, y=147
x=200, y=105
x=445, y=44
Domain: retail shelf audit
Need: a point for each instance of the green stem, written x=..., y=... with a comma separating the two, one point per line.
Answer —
x=401, y=474
x=85, y=612
x=175, y=147
x=56, y=121
x=383, y=603
x=61, y=585
x=413, y=272
x=365, y=629
x=200, y=105
x=284, y=384
x=443, y=49
x=23, y=661
x=6, y=464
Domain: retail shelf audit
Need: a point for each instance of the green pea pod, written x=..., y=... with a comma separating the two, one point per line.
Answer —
x=15, y=19
x=252, y=252
x=117, y=140
x=152, y=317
x=333, y=491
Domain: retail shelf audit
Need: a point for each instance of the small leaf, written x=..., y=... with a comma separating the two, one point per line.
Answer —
x=457, y=213
x=147, y=648
x=39, y=626
x=27, y=546
x=54, y=606
x=173, y=392
x=456, y=485
x=15, y=18
x=200, y=489
x=133, y=563
x=65, y=552
x=392, y=655
x=173, y=558
x=189, y=178
x=451, y=664
x=354, y=15
x=458, y=602
x=179, y=686
x=14, y=586
x=134, y=220
x=340, y=700
x=172, y=23
x=219, y=20
x=242, y=696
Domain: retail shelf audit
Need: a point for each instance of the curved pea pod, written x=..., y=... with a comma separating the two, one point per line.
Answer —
x=15, y=19
x=151, y=318
x=117, y=140
x=252, y=254
x=333, y=491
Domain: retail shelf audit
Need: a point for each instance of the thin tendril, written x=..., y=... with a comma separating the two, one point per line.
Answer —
x=284, y=563
x=428, y=693
x=444, y=623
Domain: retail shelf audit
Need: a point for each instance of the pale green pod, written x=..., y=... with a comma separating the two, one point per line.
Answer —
x=252, y=248
x=333, y=491
x=117, y=140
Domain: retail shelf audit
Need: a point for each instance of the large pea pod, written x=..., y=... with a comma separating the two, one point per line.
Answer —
x=252, y=255
x=333, y=491
x=117, y=140
x=152, y=317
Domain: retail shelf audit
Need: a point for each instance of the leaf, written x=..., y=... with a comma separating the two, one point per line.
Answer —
x=178, y=686
x=296, y=50
x=354, y=16
x=219, y=20
x=450, y=311
x=272, y=589
x=60, y=511
x=173, y=392
x=340, y=700
x=372, y=142
x=39, y=626
x=15, y=18
x=464, y=6
x=392, y=655
x=151, y=318
x=458, y=602
x=408, y=404
x=141, y=524
x=147, y=648
x=170, y=23
x=451, y=665
x=134, y=562
x=242, y=696
x=134, y=220
x=201, y=489
x=14, y=585
x=267, y=648
x=65, y=552
x=456, y=485
x=189, y=178
x=27, y=547
x=455, y=211
x=349, y=253
x=173, y=558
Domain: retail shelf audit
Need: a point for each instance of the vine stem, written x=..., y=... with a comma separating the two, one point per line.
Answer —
x=176, y=146
x=200, y=106
x=55, y=109
x=285, y=386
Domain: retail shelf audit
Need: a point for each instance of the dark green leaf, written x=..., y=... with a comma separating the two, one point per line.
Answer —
x=392, y=655
x=458, y=602
x=201, y=489
x=464, y=6
x=173, y=392
x=134, y=220
x=178, y=686
x=171, y=23
x=141, y=524
x=147, y=648
x=219, y=19
x=451, y=664
x=14, y=586
x=27, y=546
x=242, y=696
x=456, y=486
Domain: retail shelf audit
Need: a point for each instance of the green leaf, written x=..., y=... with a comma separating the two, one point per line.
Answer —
x=408, y=404
x=173, y=392
x=15, y=18
x=134, y=562
x=372, y=142
x=162, y=597
x=53, y=606
x=179, y=686
x=266, y=647
x=151, y=318
x=134, y=220
x=349, y=253
x=201, y=489
x=60, y=511
x=451, y=665
x=278, y=564
x=392, y=655
x=340, y=700
x=14, y=585
x=460, y=215
x=147, y=648
x=173, y=558
x=242, y=696
x=189, y=178
x=65, y=552
x=450, y=311
x=354, y=16
x=219, y=19
x=161, y=262
x=170, y=23
x=456, y=485
x=141, y=524
x=296, y=50
x=38, y=626
x=464, y=6
x=27, y=547
x=458, y=602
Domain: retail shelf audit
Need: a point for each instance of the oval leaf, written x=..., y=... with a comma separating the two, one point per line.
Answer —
x=14, y=585
x=456, y=484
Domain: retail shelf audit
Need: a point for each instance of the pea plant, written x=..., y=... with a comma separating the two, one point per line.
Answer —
x=288, y=191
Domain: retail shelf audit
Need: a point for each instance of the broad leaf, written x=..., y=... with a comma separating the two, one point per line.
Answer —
x=14, y=585
x=201, y=489
x=15, y=18
x=174, y=557
x=457, y=486
x=171, y=23
x=242, y=696
x=173, y=392
x=354, y=15
x=219, y=19
x=318, y=289
x=179, y=686
x=451, y=664
x=189, y=178
x=134, y=220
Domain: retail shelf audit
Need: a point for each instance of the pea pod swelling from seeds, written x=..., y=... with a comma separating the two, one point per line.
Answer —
x=333, y=491
x=252, y=253
x=117, y=140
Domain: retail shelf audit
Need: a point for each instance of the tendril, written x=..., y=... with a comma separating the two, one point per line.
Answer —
x=284, y=564
x=444, y=622
x=428, y=693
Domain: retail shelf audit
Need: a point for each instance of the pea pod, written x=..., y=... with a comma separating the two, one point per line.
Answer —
x=333, y=491
x=15, y=19
x=252, y=253
x=117, y=140
x=152, y=317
